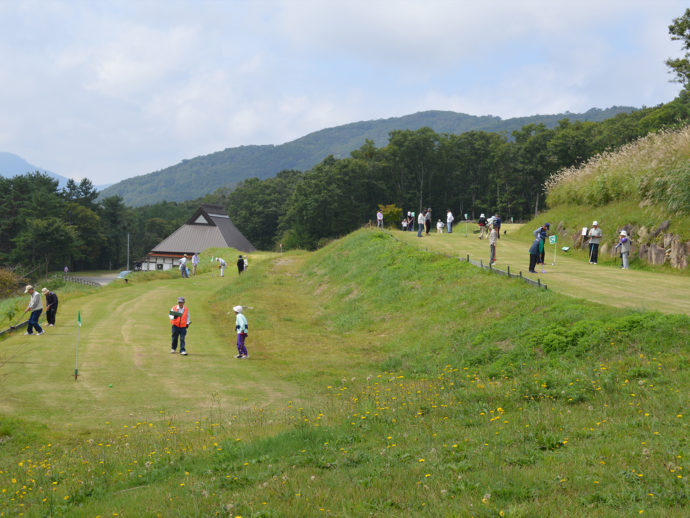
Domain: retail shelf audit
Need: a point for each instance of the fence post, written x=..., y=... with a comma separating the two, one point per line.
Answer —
x=468, y=258
x=481, y=263
x=521, y=274
x=539, y=282
x=509, y=271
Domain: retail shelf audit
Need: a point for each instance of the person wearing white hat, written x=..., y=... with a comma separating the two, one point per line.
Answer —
x=36, y=308
x=624, y=245
x=242, y=328
x=51, y=306
x=482, y=225
x=180, y=320
x=594, y=236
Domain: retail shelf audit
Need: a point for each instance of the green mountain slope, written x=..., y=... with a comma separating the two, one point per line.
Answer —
x=201, y=175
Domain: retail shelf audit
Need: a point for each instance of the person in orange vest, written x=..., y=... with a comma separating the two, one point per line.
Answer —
x=180, y=320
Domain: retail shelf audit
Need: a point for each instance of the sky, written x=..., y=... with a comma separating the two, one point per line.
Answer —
x=113, y=89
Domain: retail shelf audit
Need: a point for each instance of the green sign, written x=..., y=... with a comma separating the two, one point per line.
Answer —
x=553, y=240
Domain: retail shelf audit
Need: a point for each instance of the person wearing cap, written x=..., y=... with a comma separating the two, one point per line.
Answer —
x=542, y=233
x=482, y=225
x=51, y=306
x=242, y=328
x=594, y=236
x=379, y=219
x=36, y=308
x=535, y=252
x=240, y=265
x=180, y=320
x=624, y=245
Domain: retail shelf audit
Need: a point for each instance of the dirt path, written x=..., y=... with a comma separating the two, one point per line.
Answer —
x=570, y=275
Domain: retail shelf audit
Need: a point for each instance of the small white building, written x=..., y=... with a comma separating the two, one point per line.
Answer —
x=209, y=227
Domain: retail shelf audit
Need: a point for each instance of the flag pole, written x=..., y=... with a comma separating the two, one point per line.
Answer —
x=76, y=356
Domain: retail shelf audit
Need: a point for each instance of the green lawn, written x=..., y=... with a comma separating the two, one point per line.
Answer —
x=383, y=381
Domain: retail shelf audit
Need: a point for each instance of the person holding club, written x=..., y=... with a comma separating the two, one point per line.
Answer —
x=36, y=308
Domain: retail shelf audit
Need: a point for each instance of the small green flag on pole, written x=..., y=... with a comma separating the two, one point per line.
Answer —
x=79, y=318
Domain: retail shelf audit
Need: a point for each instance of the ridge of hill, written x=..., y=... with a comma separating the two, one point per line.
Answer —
x=13, y=165
x=496, y=399
x=230, y=166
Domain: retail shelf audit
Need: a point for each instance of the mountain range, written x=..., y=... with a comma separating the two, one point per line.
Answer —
x=196, y=177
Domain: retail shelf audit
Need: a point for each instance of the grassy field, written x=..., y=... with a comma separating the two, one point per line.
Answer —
x=572, y=274
x=384, y=380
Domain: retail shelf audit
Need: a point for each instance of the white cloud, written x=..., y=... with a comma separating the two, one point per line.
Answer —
x=109, y=90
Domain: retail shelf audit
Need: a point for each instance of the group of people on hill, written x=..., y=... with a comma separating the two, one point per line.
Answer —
x=184, y=269
x=593, y=237
x=424, y=222
x=35, y=308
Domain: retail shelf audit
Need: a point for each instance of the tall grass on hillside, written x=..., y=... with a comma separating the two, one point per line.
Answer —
x=652, y=170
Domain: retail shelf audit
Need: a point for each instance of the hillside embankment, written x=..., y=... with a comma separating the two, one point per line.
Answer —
x=643, y=188
x=383, y=380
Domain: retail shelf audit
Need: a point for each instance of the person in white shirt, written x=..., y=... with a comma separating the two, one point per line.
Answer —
x=420, y=224
x=379, y=219
x=221, y=265
x=493, y=240
x=594, y=235
x=36, y=308
x=195, y=262
x=439, y=227
x=449, y=221
x=183, y=266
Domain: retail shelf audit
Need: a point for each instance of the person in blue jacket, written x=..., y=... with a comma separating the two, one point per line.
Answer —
x=534, y=253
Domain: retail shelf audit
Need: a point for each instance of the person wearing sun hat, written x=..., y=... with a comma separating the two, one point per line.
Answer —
x=51, y=306
x=624, y=245
x=180, y=320
x=36, y=308
x=594, y=236
x=242, y=328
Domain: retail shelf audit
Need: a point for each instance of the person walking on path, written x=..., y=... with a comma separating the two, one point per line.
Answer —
x=183, y=266
x=180, y=320
x=195, y=262
x=36, y=308
x=594, y=235
x=624, y=245
x=240, y=265
x=482, y=225
x=379, y=219
x=420, y=224
x=492, y=244
x=449, y=221
x=221, y=265
x=51, y=306
x=534, y=253
x=427, y=221
x=242, y=328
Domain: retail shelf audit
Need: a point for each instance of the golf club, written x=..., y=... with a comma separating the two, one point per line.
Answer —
x=12, y=328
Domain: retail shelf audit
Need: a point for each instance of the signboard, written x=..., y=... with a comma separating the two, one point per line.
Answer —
x=553, y=239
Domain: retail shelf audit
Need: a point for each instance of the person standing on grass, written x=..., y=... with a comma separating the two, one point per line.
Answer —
x=439, y=227
x=493, y=240
x=183, y=266
x=240, y=265
x=180, y=320
x=36, y=308
x=379, y=219
x=497, y=225
x=449, y=221
x=482, y=225
x=404, y=224
x=195, y=262
x=420, y=223
x=246, y=262
x=221, y=265
x=542, y=232
x=427, y=221
x=624, y=245
x=242, y=328
x=534, y=254
x=51, y=306
x=594, y=235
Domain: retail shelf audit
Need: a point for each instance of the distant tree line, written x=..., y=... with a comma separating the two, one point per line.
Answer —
x=45, y=228
x=473, y=172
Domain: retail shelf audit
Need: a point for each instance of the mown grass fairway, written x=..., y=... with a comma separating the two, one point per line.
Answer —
x=572, y=274
x=383, y=381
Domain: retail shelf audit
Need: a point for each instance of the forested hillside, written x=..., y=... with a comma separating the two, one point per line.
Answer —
x=204, y=174
x=471, y=173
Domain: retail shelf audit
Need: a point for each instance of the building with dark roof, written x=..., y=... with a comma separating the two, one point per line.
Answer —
x=209, y=227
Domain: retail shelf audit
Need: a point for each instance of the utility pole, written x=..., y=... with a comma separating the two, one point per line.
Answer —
x=127, y=251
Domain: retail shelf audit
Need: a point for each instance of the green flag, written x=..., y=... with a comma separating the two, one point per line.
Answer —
x=79, y=318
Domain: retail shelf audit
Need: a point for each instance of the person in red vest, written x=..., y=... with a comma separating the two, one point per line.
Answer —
x=180, y=320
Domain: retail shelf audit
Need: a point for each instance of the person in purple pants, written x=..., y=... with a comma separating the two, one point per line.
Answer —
x=242, y=328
